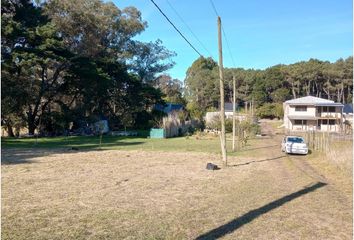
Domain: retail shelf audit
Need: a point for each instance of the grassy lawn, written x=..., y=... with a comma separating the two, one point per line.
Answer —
x=140, y=188
x=180, y=144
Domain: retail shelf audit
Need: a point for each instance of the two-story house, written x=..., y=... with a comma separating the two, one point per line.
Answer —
x=313, y=113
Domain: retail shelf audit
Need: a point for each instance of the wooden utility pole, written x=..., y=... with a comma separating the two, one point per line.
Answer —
x=234, y=114
x=222, y=98
x=252, y=110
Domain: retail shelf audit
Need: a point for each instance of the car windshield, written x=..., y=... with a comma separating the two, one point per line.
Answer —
x=295, y=140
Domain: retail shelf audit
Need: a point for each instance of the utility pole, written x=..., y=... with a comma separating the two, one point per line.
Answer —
x=252, y=110
x=222, y=98
x=234, y=114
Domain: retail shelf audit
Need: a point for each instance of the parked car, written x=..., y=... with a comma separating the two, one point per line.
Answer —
x=294, y=144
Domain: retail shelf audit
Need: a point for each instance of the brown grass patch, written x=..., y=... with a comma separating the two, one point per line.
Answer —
x=164, y=195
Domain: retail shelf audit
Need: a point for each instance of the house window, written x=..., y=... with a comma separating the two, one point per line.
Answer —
x=300, y=122
x=329, y=122
x=331, y=109
x=300, y=108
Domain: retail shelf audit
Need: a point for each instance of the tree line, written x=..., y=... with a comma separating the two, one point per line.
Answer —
x=77, y=62
x=270, y=87
x=66, y=64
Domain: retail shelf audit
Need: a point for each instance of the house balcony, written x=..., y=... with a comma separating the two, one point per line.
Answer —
x=328, y=115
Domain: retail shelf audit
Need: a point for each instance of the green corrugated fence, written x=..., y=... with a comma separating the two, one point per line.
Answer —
x=157, y=133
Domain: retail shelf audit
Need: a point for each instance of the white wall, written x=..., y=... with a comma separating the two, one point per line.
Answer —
x=311, y=111
x=311, y=124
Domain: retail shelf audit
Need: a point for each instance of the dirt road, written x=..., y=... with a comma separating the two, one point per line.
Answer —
x=263, y=194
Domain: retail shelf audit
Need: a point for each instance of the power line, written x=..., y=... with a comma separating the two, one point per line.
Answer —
x=195, y=36
x=223, y=31
x=212, y=4
x=176, y=28
x=228, y=47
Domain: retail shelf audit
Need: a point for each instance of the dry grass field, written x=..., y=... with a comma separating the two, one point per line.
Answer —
x=141, y=194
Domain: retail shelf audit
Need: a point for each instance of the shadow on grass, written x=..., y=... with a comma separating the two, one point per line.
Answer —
x=23, y=155
x=253, y=214
x=59, y=142
x=257, y=161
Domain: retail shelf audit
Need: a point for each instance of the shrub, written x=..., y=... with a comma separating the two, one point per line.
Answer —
x=215, y=123
x=270, y=110
x=250, y=128
x=195, y=111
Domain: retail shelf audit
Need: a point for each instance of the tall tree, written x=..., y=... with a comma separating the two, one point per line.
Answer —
x=201, y=86
x=150, y=59
x=171, y=88
x=34, y=59
x=69, y=62
x=94, y=28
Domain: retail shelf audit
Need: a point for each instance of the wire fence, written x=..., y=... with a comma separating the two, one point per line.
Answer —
x=322, y=141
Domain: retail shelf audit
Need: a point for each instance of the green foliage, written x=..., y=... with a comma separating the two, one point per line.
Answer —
x=150, y=59
x=195, y=111
x=280, y=95
x=96, y=28
x=171, y=88
x=270, y=110
x=76, y=61
x=246, y=126
x=272, y=85
x=157, y=119
x=201, y=84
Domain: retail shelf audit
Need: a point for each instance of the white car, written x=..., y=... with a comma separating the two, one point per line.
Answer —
x=294, y=144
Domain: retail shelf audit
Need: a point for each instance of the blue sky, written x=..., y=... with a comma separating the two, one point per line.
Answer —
x=260, y=33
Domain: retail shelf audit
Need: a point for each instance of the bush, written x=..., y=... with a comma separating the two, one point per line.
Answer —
x=194, y=111
x=250, y=128
x=270, y=110
x=215, y=123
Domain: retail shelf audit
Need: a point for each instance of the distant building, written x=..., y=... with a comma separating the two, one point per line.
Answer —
x=210, y=116
x=348, y=110
x=348, y=113
x=313, y=113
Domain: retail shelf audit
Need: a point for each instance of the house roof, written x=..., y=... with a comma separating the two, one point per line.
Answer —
x=310, y=100
x=168, y=107
x=329, y=104
x=229, y=107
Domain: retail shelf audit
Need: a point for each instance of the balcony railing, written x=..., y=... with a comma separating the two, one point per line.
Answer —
x=329, y=115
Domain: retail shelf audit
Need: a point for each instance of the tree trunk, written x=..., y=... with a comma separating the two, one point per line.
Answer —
x=10, y=131
x=293, y=90
x=31, y=126
x=308, y=88
x=316, y=85
x=313, y=89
